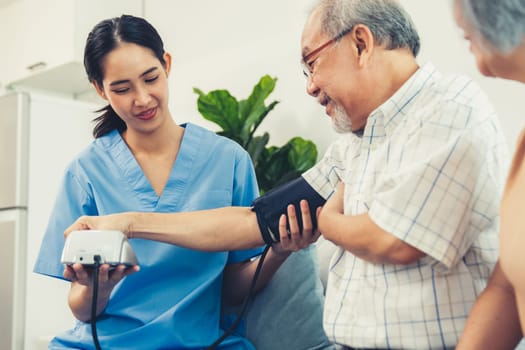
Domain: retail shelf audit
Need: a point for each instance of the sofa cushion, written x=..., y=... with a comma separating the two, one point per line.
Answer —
x=288, y=313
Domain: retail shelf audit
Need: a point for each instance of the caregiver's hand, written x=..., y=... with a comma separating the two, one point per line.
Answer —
x=118, y=222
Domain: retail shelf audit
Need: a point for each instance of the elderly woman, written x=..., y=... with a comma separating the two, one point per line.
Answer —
x=496, y=31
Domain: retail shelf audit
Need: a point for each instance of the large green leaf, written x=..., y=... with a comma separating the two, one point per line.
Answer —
x=248, y=134
x=220, y=107
x=253, y=110
x=277, y=163
x=254, y=104
x=303, y=154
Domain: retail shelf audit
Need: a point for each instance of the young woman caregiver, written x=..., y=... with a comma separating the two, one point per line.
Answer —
x=141, y=160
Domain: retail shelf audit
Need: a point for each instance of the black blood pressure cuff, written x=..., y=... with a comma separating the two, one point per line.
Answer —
x=272, y=205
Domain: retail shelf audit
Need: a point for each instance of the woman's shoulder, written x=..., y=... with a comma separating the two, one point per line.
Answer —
x=95, y=152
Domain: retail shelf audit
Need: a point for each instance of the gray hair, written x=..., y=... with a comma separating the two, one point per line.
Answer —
x=387, y=20
x=501, y=23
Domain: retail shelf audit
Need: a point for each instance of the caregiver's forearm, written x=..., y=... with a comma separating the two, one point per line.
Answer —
x=229, y=228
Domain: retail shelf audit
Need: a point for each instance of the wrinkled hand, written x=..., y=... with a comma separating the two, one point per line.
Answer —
x=295, y=240
x=107, y=278
x=118, y=222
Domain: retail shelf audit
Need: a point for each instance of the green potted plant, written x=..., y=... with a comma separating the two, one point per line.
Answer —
x=239, y=120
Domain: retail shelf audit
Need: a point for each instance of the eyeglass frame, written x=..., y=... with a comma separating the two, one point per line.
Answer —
x=307, y=68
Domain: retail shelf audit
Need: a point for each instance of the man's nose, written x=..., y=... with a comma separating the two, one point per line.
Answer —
x=311, y=87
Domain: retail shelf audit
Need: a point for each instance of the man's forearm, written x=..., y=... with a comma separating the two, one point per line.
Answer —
x=361, y=236
x=229, y=228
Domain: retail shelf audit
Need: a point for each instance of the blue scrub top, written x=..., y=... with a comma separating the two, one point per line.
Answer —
x=174, y=301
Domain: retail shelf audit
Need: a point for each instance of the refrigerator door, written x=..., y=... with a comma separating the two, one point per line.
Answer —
x=59, y=129
x=14, y=160
x=12, y=272
x=14, y=128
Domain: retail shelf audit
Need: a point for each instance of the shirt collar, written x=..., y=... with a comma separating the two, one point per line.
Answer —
x=388, y=115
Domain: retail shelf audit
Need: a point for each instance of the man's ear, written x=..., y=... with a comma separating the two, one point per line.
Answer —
x=167, y=65
x=364, y=42
x=100, y=90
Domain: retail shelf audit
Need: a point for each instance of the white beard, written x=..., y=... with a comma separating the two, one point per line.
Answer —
x=341, y=121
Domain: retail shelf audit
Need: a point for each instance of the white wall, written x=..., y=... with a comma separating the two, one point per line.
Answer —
x=231, y=43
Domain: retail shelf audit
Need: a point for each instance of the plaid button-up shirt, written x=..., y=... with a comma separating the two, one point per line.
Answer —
x=429, y=168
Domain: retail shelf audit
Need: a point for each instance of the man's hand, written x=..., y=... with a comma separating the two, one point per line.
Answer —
x=294, y=240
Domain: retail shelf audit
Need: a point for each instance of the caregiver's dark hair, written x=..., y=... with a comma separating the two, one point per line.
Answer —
x=103, y=39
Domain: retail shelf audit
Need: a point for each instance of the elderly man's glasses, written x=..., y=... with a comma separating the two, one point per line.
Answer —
x=307, y=61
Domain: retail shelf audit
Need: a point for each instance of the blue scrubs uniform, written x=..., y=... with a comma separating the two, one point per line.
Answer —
x=174, y=301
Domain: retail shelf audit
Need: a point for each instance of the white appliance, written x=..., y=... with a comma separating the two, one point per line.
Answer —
x=39, y=136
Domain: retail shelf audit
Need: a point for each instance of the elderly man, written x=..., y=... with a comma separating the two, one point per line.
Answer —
x=422, y=164
x=496, y=31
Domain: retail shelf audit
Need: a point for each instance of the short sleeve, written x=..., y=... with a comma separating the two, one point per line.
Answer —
x=438, y=193
x=245, y=190
x=326, y=174
x=71, y=202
